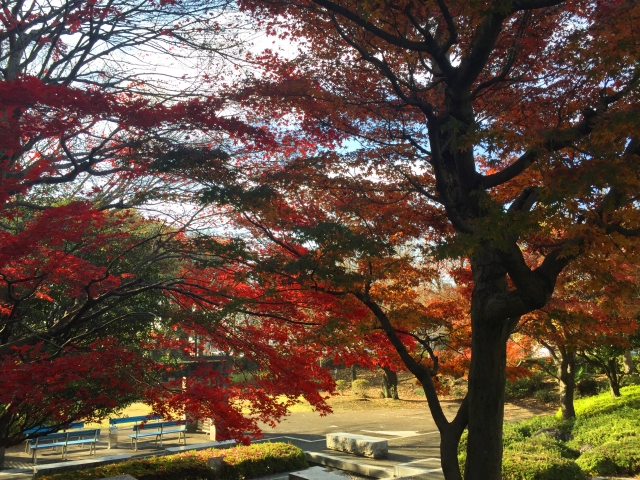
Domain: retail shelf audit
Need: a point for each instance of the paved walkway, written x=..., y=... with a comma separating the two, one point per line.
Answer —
x=411, y=433
x=414, y=441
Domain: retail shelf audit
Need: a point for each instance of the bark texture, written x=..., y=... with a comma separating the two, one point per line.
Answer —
x=390, y=383
x=566, y=375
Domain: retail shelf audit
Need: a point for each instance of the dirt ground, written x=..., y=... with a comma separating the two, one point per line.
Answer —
x=410, y=393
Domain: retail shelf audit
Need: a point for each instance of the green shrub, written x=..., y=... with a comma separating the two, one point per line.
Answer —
x=621, y=457
x=610, y=425
x=238, y=463
x=604, y=419
x=360, y=387
x=587, y=387
x=543, y=445
x=419, y=392
x=538, y=458
x=539, y=466
x=544, y=395
x=341, y=385
x=523, y=387
x=260, y=460
x=633, y=379
x=604, y=403
x=517, y=432
x=596, y=431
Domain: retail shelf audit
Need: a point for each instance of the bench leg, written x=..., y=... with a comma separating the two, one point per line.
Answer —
x=35, y=456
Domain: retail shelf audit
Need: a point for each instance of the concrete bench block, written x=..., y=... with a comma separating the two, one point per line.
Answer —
x=314, y=473
x=201, y=446
x=362, y=445
x=374, y=471
x=51, y=468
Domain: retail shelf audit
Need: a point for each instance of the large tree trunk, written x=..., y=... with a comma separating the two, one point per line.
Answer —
x=390, y=383
x=487, y=376
x=487, y=372
x=354, y=375
x=567, y=381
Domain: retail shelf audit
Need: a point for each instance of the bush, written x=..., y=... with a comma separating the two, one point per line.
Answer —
x=341, y=385
x=539, y=458
x=543, y=445
x=628, y=380
x=260, y=460
x=544, y=465
x=603, y=419
x=240, y=462
x=360, y=387
x=523, y=387
x=609, y=426
x=588, y=387
x=544, y=396
x=621, y=457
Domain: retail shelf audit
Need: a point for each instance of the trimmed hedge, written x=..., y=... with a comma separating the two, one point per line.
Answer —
x=239, y=463
x=621, y=457
x=539, y=466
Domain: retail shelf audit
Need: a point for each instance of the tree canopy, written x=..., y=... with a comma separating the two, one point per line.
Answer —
x=409, y=184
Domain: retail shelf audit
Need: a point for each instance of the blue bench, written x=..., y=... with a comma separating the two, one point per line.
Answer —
x=114, y=422
x=47, y=431
x=159, y=430
x=64, y=440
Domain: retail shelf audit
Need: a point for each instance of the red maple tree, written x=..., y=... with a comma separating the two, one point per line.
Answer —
x=477, y=131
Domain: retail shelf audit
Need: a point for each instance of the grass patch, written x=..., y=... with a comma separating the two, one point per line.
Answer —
x=606, y=431
x=238, y=463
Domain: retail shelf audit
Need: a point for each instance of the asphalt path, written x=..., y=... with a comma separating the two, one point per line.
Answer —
x=411, y=434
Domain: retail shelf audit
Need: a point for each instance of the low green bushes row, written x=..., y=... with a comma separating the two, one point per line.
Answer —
x=242, y=462
x=603, y=440
x=621, y=457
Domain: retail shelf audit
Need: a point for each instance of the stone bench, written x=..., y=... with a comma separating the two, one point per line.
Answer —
x=362, y=445
x=60, y=467
x=314, y=473
x=202, y=446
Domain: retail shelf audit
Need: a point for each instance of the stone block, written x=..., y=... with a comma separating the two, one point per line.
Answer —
x=314, y=473
x=201, y=446
x=347, y=464
x=215, y=463
x=60, y=467
x=362, y=445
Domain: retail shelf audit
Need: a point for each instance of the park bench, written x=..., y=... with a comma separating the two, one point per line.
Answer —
x=114, y=422
x=47, y=431
x=64, y=440
x=159, y=430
